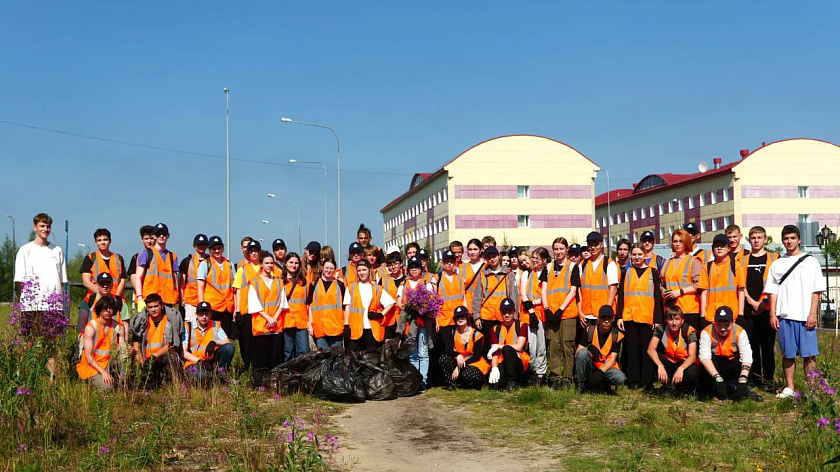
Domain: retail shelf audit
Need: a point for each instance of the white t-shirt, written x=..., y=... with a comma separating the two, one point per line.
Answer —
x=704, y=350
x=413, y=284
x=47, y=264
x=255, y=305
x=793, y=299
x=366, y=292
x=612, y=270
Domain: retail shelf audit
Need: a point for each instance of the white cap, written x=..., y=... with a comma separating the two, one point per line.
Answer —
x=391, y=249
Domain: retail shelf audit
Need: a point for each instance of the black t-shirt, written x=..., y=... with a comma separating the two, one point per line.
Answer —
x=575, y=278
x=756, y=266
x=327, y=284
x=603, y=337
x=184, y=267
x=87, y=264
x=397, y=281
x=132, y=266
x=543, y=275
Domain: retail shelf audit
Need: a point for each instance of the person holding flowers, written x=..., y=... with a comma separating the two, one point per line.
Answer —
x=419, y=307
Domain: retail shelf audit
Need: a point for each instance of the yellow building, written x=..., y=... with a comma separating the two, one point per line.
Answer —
x=794, y=181
x=524, y=190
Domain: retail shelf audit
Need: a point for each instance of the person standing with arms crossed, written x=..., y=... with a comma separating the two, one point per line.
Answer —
x=794, y=285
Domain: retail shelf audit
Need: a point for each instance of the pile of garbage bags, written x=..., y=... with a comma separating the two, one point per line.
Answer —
x=350, y=377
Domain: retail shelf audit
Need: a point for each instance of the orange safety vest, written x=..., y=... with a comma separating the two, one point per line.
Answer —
x=740, y=256
x=614, y=337
x=104, y=342
x=676, y=350
x=490, y=303
x=154, y=336
x=724, y=347
x=327, y=311
x=638, y=292
x=249, y=271
x=349, y=274
x=534, y=292
x=270, y=298
x=722, y=289
x=113, y=267
x=559, y=286
x=701, y=255
x=160, y=278
x=468, y=350
x=357, y=312
x=191, y=287
x=381, y=272
x=470, y=281
x=453, y=296
x=507, y=336
x=198, y=341
x=594, y=289
x=677, y=275
x=298, y=314
x=218, y=288
x=390, y=286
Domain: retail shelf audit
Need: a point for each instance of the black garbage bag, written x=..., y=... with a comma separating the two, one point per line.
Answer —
x=378, y=382
x=341, y=382
x=407, y=379
x=319, y=366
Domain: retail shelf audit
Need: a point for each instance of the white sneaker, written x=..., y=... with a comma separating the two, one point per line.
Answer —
x=786, y=393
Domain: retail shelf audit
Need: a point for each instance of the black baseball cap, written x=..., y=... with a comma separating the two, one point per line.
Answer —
x=595, y=237
x=215, y=241
x=104, y=278
x=314, y=247
x=355, y=247
x=203, y=306
x=491, y=250
x=423, y=254
x=506, y=305
x=574, y=248
x=414, y=261
x=606, y=311
x=648, y=235
x=363, y=263
x=448, y=254
x=254, y=244
x=199, y=239
x=513, y=251
x=691, y=228
x=460, y=312
x=161, y=229
x=724, y=313
x=277, y=244
x=720, y=239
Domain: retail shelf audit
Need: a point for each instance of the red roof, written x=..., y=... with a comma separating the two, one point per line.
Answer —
x=670, y=181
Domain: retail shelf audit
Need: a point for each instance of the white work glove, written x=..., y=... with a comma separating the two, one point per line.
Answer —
x=495, y=375
x=492, y=349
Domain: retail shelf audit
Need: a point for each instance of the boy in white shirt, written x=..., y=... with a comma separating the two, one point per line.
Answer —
x=42, y=264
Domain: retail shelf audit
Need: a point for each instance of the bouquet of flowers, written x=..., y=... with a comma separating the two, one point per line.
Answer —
x=420, y=301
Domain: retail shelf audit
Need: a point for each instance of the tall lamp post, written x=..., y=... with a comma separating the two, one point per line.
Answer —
x=825, y=238
x=227, y=166
x=87, y=249
x=338, y=165
x=295, y=161
x=297, y=211
x=609, y=212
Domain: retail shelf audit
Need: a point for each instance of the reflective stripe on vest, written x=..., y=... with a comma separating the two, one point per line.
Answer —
x=682, y=282
x=727, y=347
x=215, y=270
x=155, y=335
x=730, y=281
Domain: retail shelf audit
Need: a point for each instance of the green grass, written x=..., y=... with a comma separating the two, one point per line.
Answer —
x=636, y=431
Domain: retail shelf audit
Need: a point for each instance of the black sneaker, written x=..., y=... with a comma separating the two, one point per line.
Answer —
x=511, y=385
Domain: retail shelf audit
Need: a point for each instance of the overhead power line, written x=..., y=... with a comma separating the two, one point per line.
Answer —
x=180, y=151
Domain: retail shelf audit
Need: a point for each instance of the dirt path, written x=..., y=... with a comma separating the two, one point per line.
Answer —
x=421, y=434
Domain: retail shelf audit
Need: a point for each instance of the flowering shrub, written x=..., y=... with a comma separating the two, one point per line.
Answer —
x=47, y=321
x=420, y=301
x=820, y=411
x=305, y=450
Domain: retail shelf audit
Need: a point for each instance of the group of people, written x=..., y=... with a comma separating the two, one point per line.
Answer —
x=561, y=315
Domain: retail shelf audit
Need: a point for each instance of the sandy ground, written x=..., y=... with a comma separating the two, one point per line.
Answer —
x=421, y=434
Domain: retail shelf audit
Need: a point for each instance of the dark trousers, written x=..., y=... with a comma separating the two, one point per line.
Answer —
x=436, y=375
x=703, y=325
x=225, y=318
x=267, y=354
x=245, y=336
x=729, y=369
x=391, y=332
x=155, y=372
x=689, y=381
x=468, y=377
x=511, y=369
x=762, y=341
x=365, y=342
x=639, y=367
x=487, y=327
x=693, y=320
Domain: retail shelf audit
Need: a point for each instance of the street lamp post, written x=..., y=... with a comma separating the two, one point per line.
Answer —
x=295, y=161
x=297, y=211
x=84, y=246
x=338, y=165
x=227, y=166
x=609, y=212
x=825, y=238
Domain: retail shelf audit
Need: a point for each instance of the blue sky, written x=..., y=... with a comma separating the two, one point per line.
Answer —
x=638, y=87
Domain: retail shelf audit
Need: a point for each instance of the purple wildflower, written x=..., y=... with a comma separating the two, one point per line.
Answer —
x=104, y=450
x=220, y=370
x=290, y=437
x=422, y=302
x=310, y=436
x=277, y=396
x=822, y=422
x=22, y=448
x=261, y=389
x=252, y=415
x=16, y=342
x=23, y=391
x=286, y=424
x=224, y=390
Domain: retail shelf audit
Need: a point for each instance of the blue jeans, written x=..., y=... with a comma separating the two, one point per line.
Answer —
x=329, y=341
x=420, y=357
x=224, y=356
x=295, y=343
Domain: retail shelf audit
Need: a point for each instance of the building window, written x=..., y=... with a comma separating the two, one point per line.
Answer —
x=597, y=223
x=714, y=224
x=670, y=231
x=644, y=213
x=679, y=205
x=523, y=191
x=661, y=233
x=612, y=221
x=690, y=203
x=635, y=215
x=445, y=224
x=524, y=221
x=702, y=200
x=727, y=220
x=661, y=208
x=725, y=193
x=702, y=226
x=712, y=198
x=653, y=210
x=803, y=192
